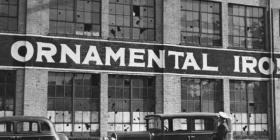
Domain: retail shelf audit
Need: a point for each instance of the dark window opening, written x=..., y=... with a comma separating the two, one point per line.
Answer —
x=131, y=98
x=73, y=103
x=248, y=105
x=75, y=17
x=246, y=27
x=201, y=23
x=132, y=20
x=9, y=16
x=201, y=95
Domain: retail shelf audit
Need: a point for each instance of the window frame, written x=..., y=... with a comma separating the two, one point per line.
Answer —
x=73, y=109
x=8, y=17
x=131, y=99
x=248, y=112
x=131, y=27
x=218, y=93
x=75, y=22
x=246, y=17
x=200, y=33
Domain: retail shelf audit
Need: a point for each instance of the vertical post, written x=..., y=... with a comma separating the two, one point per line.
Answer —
x=105, y=19
x=103, y=104
x=171, y=21
x=224, y=21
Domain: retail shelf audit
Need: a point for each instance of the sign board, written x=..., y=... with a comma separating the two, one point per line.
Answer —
x=33, y=51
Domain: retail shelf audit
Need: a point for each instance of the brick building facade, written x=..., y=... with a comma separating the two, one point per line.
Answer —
x=96, y=66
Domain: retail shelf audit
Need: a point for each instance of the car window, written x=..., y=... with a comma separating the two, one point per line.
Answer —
x=6, y=127
x=45, y=127
x=180, y=124
x=154, y=123
x=203, y=124
x=27, y=126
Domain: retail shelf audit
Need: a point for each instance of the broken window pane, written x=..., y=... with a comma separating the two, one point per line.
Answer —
x=132, y=100
x=85, y=110
x=86, y=12
x=120, y=12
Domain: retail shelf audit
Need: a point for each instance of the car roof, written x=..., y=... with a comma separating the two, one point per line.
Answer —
x=185, y=114
x=23, y=118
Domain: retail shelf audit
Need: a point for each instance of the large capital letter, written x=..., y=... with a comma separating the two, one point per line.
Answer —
x=29, y=51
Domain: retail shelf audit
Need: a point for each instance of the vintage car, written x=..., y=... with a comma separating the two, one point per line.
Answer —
x=28, y=128
x=182, y=126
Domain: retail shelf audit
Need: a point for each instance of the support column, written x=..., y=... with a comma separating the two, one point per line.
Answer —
x=105, y=19
x=159, y=94
x=171, y=94
x=277, y=108
x=171, y=21
x=19, y=92
x=35, y=92
x=103, y=104
x=276, y=34
x=21, y=16
x=226, y=96
x=158, y=20
x=37, y=20
x=224, y=23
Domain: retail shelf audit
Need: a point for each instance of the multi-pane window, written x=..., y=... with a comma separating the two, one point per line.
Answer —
x=73, y=102
x=75, y=17
x=201, y=95
x=132, y=19
x=8, y=15
x=246, y=27
x=7, y=93
x=248, y=103
x=200, y=23
x=131, y=98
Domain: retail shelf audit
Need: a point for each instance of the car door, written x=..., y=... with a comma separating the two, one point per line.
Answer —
x=202, y=129
x=176, y=129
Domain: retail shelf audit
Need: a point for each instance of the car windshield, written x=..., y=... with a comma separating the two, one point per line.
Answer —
x=6, y=127
x=154, y=123
x=27, y=127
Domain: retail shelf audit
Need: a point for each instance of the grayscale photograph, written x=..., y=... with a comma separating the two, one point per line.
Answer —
x=139, y=69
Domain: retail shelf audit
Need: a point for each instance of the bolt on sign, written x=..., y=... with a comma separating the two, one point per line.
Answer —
x=47, y=52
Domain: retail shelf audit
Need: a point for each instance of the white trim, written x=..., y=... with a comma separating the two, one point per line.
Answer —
x=142, y=43
x=137, y=73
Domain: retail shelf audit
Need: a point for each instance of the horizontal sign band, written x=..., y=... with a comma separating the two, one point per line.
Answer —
x=117, y=56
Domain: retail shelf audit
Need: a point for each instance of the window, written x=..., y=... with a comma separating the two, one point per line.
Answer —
x=7, y=93
x=8, y=15
x=131, y=98
x=248, y=103
x=73, y=102
x=6, y=127
x=203, y=124
x=246, y=27
x=201, y=95
x=132, y=19
x=200, y=23
x=27, y=127
x=180, y=124
x=75, y=17
x=154, y=123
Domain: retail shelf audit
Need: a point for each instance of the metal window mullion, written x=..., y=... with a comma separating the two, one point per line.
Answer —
x=74, y=18
x=248, y=104
x=131, y=111
x=200, y=87
x=73, y=108
x=200, y=23
x=131, y=23
x=246, y=30
x=5, y=94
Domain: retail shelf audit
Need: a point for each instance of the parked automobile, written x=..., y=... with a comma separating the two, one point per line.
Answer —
x=28, y=128
x=182, y=126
